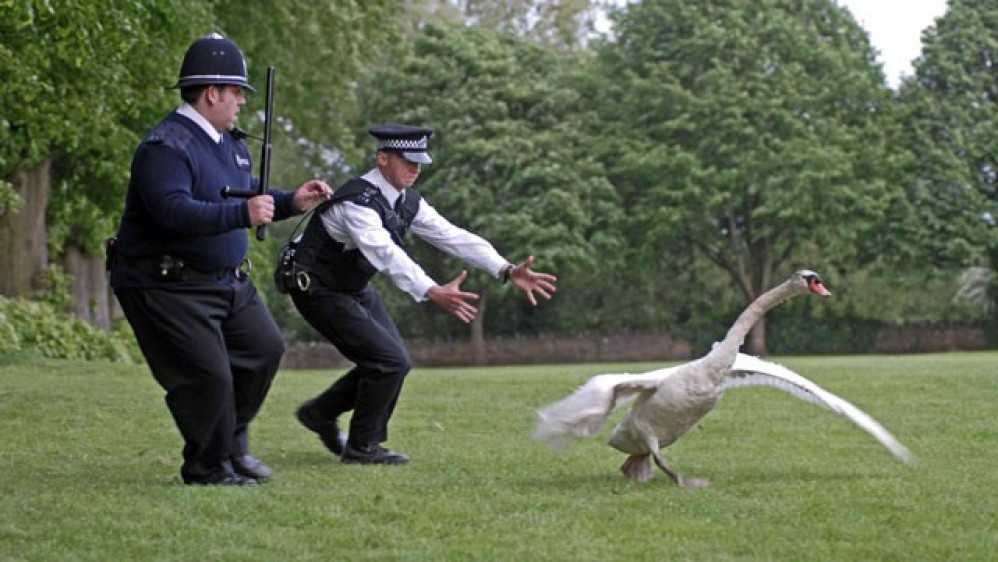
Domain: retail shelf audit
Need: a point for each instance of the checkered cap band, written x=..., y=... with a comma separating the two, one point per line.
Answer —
x=405, y=145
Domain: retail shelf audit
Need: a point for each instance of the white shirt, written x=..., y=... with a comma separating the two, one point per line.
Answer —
x=356, y=226
x=188, y=111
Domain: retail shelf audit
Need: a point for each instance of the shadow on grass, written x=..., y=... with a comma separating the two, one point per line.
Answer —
x=300, y=459
x=806, y=475
x=619, y=484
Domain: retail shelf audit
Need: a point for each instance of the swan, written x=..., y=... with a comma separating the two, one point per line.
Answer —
x=669, y=402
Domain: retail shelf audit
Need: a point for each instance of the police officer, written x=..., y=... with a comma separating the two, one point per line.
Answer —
x=359, y=232
x=178, y=271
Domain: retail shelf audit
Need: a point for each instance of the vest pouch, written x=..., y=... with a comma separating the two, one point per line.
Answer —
x=288, y=276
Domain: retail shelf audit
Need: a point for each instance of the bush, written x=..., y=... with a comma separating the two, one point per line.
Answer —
x=796, y=335
x=34, y=328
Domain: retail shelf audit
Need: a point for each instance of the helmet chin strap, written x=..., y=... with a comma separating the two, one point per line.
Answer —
x=240, y=134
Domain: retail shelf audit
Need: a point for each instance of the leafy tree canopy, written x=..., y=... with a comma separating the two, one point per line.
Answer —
x=951, y=120
x=754, y=133
x=319, y=51
x=758, y=134
x=79, y=78
x=562, y=24
x=511, y=155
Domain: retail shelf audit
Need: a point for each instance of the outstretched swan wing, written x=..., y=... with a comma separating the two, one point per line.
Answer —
x=583, y=413
x=750, y=371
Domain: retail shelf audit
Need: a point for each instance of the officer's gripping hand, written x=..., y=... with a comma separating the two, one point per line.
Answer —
x=310, y=193
x=261, y=209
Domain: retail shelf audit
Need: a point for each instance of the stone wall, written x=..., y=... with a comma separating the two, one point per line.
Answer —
x=616, y=349
x=510, y=351
x=923, y=339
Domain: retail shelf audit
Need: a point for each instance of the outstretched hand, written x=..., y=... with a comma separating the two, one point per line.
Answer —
x=451, y=298
x=310, y=193
x=530, y=281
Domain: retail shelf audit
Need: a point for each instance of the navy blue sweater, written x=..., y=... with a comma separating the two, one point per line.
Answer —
x=175, y=206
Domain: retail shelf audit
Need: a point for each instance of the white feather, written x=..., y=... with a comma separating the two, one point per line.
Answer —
x=583, y=413
x=748, y=370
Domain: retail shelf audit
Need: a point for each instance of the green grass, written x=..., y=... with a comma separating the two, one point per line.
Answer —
x=89, y=462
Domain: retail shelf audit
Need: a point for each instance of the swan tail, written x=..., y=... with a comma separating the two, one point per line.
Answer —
x=752, y=371
x=582, y=414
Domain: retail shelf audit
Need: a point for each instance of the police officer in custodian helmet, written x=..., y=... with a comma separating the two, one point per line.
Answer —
x=359, y=232
x=178, y=267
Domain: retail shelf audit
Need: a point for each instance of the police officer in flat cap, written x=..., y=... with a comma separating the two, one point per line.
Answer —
x=359, y=232
x=177, y=267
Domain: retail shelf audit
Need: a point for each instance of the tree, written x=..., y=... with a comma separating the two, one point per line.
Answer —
x=510, y=150
x=84, y=82
x=77, y=78
x=319, y=50
x=561, y=24
x=757, y=134
x=952, y=126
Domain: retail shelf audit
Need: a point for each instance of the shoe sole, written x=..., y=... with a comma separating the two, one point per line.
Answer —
x=247, y=482
x=259, y=479
x=366, y=462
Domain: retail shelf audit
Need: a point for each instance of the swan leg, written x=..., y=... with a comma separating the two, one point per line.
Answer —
x=637, y=468
x=680, y=481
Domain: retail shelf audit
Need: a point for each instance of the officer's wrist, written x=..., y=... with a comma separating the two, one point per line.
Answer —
x=504, y=275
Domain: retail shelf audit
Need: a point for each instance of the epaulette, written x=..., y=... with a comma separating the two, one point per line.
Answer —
x=369, y=193
x=154, y=138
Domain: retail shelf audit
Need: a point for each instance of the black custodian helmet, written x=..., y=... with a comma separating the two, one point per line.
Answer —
x=213, y=60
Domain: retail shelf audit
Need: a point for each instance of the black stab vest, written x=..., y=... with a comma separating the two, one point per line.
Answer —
x=327, y=260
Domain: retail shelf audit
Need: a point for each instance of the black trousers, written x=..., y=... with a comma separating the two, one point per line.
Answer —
x=214, y=348
x=359, y=326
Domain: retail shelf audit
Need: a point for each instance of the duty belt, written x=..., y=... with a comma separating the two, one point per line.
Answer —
x=175, y=269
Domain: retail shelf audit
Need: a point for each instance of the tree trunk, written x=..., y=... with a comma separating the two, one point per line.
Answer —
x=91, y=292
x=23, y=235
x=756, y=340
x=478, y=334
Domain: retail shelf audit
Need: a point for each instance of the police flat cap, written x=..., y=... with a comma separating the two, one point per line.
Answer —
x=409, y=140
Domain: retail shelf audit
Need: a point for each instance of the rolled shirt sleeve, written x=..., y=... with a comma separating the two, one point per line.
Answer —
x=359, y=227
x=442, y=234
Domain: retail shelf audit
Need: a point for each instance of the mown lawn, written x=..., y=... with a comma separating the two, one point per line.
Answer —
x=89, y=462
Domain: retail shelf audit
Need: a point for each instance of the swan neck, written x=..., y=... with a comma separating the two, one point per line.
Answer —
x=752, y=313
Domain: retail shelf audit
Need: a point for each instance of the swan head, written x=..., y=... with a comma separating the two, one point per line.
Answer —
x=810, y=282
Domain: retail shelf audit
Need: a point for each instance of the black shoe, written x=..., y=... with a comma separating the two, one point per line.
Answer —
x=327, y=430
x=220, y=478
x=371, y=454
x=251, y=467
